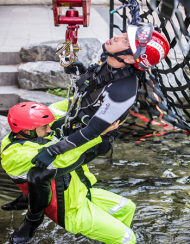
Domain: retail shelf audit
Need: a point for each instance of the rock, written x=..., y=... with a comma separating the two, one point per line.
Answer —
x=39, y=52
x=172, y=144
x=42, y=69
x=40, y=97
x=91, y=50
x=42, y=75
x=4, y=127
x=169, y=174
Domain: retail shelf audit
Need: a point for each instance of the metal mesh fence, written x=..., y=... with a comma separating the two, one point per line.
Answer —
x=167, y=84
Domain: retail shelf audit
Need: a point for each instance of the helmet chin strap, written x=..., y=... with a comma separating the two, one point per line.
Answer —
x=33, y=134
x=115, y=55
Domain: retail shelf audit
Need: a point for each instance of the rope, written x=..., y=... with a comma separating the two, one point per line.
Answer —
x=134, y=11
x=67, y=53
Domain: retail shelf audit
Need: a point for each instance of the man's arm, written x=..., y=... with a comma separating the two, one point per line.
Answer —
x=45, y=157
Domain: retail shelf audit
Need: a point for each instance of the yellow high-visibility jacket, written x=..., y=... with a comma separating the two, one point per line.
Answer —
x=16, y=161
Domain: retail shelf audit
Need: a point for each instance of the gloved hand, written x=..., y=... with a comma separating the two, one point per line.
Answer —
x=44, y=158
x=71, y=69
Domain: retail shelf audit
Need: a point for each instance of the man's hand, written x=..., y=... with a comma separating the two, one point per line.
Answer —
x=44, y=158
x=72, y=69
x=114, y=126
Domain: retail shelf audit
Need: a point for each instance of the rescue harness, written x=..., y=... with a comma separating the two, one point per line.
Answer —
x=87, y=83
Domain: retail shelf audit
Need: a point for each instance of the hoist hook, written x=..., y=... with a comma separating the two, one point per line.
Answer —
x=68, y=50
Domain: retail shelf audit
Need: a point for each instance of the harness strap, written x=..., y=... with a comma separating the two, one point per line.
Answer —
x=39, y=140
x=113, y=76
x=60, y=201
x=84, y=180
x=111, y=148
x=92, y=71
x=21, y=141
x=81, y=83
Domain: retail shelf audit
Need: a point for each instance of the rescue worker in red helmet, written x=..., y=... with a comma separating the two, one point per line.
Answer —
x=31, y=117
x=107, y=97
x=30, y=123
x=147, y=46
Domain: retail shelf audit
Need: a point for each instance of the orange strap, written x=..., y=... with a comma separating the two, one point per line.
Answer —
x=143, y=118
x=153, y=121
x=159, y=134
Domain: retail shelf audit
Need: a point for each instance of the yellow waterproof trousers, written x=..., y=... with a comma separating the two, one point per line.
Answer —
x=107, y=218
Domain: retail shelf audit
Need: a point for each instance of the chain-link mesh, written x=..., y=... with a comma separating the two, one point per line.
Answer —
x=171, y=75
x=167, y=85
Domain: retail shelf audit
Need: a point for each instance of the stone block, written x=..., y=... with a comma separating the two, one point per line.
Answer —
x=42, y=75
x=40, y=97
x=4, y=127
x=8, y=75
x=91, y=50
x=39, y=52
x=9, y=56
x=9, y=96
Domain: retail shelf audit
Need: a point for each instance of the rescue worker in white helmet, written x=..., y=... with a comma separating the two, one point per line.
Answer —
x=107, y=97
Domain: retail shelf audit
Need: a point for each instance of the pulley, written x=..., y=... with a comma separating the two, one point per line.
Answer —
x=68, y=50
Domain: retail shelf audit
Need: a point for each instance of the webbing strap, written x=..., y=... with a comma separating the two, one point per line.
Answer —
x=112, y=76
x=39, y=140
x=153, y=122
x=21, y=141
x=59, y=183
x=84, y=180
x=81, y=83
x=103, y=80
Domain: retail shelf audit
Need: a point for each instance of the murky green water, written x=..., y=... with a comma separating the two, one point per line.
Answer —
x=155, y=174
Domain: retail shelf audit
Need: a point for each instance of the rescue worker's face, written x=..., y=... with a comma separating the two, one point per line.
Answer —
x=43, y=131
x=117, y=43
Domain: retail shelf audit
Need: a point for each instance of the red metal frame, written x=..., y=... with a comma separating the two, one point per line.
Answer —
x=72, y=17
x=57, y=12
x=71, y=33
x=80, y=20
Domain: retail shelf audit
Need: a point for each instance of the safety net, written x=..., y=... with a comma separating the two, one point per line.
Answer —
x=164, y=90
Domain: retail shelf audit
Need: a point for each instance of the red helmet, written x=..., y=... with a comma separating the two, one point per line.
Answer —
x=148, y=46
x=29, y=115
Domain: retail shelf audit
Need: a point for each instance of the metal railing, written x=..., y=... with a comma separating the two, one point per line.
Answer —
x=123, y=16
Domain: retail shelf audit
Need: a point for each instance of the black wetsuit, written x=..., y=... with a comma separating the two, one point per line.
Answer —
x=104, y=105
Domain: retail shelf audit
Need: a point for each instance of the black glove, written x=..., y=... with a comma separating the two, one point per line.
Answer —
x=44, y=158
x=71, y=69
